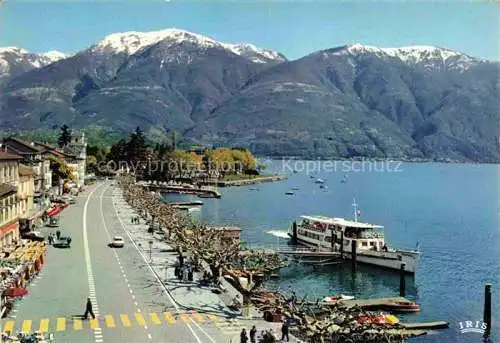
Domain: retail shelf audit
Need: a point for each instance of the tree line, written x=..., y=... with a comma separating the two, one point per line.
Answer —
x=166, y=161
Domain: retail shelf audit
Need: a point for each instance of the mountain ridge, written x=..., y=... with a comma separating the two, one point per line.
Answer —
x=353, y=100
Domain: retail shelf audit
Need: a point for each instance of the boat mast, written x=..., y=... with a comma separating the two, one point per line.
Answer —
x=355, y=210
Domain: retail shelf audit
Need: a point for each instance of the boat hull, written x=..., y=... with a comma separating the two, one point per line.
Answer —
x=388, y=260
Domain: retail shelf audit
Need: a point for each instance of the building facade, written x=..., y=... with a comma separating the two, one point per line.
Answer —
x=26, y=191
x=9, y=200
x=77, y=149
x=32, y=156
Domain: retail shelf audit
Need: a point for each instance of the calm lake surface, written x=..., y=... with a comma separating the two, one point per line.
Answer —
x=452, y=210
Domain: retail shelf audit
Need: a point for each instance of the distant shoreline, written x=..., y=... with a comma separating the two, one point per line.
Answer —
x=373, y=159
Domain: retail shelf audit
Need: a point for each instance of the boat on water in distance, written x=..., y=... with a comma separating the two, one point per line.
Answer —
x=337, y=235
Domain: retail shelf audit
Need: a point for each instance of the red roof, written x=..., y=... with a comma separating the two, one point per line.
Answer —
x=9, y=156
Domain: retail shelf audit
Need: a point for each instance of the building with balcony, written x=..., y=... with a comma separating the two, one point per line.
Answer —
x=32, y=156
x=9, y=200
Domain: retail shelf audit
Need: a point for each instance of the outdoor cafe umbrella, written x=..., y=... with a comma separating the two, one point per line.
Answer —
x=15, y=292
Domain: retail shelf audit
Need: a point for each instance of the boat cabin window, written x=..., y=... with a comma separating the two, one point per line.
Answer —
x=372, y=244
x=365, y=244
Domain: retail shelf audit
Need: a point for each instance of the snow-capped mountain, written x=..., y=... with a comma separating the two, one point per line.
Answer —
x=429, y=57
x=132, y=42
x=15, y=61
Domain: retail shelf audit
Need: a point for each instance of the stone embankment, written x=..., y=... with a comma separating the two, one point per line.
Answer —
x=251, y=181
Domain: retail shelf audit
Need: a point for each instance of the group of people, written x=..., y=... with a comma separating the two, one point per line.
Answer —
x=134, y=220
x=51, y=238
x=267, y=336
x=184, y=273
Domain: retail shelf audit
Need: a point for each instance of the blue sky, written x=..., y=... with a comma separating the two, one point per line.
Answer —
x=294, y=28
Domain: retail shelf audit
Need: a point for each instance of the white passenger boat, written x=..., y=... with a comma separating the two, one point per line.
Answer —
x=337, y=234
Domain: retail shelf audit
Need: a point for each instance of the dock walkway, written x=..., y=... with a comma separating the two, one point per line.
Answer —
x=203, y=192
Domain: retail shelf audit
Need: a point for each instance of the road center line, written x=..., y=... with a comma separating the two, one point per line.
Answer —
x=88, y=262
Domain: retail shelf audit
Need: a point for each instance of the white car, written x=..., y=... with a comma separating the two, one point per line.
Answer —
x=117, y=242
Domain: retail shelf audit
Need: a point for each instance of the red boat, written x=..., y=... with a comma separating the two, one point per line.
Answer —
x=402, y=306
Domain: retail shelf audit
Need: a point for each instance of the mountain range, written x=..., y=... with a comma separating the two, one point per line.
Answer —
x=417, y=102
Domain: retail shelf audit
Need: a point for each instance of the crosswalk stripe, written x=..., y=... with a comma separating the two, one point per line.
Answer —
x=168, y=316
x=184, y=317
x=94, y=324
x=60, y=324
x=213, y=318
x=26, y=328
x=110, y=322
x=154, y=318
x=125, y=320
x=140, y=319
x=197, y=317
x=9, y=326
x=44, y=325
x=77, y=324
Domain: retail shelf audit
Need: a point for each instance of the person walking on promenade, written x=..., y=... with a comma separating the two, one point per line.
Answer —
x=243, y=336
x=58, y=234
x=253, y=332
x=88, y=310
x=50, y=239
x=284, y=331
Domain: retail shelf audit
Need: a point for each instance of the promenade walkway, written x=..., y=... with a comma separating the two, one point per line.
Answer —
x=189, y=296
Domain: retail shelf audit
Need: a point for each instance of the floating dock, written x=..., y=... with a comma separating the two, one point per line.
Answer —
x=206, y=193
x=372, y=304
x=186, y=203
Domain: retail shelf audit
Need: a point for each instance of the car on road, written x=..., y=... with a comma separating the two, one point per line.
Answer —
x=33, y=236
x=117, y=242
x=72, y=201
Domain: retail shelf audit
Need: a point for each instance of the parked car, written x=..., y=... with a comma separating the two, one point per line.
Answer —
x=117, y=242
x=72, y=201
x=33, y=236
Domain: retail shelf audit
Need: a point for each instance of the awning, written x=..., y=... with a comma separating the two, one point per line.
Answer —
x=15, y=292
x=54, y=212
x=57, y=210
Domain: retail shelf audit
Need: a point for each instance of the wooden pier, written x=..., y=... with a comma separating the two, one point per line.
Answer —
x=372, y=304
x=202, y=192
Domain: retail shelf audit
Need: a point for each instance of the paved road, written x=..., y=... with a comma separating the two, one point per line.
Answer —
x=128, y=299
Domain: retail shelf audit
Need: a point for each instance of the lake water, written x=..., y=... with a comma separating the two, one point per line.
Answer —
x=452, y=210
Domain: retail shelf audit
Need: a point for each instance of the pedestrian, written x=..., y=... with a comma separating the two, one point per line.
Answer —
x=253, y=332
x=190, y=274
x=58, y=234
x=88, y=310
x=50, y=239
x=132, y=220
x=243, y=336
x=284, y=331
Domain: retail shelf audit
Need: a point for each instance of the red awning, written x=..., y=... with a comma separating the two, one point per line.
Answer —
x=54, y=212
x=15, y=292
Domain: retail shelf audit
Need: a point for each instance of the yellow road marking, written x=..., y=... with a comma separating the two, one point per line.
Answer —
x=125, y=320
x=26, y=326
x=140, y=319
x=185, y=317
x=9, y=326
x=110, y=322
x=154, y=318
x=213, y=318
x=61, y=324
x=77, y=324
x=44, y=325
x=94, y=324
x=198, y=317
x=170, y=319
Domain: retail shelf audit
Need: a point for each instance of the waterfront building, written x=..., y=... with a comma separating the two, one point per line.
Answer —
x=9, y=200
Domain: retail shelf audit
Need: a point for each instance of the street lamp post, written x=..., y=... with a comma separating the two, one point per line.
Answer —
x=150, y=251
